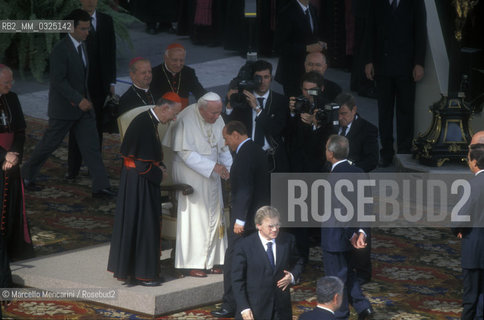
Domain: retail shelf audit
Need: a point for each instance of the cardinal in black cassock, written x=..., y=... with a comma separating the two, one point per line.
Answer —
x=135, y=244
x=14, y=227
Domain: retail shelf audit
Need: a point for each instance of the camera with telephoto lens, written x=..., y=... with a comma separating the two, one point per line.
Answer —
x=304, y=105
x=244, y=81
x=326, y=114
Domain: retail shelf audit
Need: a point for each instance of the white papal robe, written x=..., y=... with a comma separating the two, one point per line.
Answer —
x=201, y=230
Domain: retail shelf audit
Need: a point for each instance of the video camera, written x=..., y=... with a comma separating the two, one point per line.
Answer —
x=244, y=81
x=326, y=114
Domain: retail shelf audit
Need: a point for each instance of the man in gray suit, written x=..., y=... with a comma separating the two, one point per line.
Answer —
x=69, y=107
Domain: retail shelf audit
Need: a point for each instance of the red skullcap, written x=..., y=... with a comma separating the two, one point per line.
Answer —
x=175, y=45
x=172, y=96
x=133, y=61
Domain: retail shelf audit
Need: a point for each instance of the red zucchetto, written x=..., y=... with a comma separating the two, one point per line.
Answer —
x=172, y=96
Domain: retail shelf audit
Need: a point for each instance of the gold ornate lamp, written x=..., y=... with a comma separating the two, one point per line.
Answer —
x=449, y=133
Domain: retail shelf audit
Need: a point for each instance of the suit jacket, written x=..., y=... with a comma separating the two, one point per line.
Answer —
x=293, y=34
x=273, y=121
x=396, y=41
x=338, y=239
x=101, y=50
x=188, y=83
x=254, y=281
x=364, y=148
x=250, y=183
x=68, y=81
x=473, y=238
x=305, y=146
x=317, y=314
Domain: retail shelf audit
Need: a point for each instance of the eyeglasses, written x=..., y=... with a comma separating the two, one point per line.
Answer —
x=6, y=83
x=273, y=226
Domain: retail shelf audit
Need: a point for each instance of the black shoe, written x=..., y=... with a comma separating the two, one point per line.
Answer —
x=366, y=314
x=70, y=176
x=104, y=193
x=385, y=162
x=151, y=283
x=31, y=186
x=223, y=313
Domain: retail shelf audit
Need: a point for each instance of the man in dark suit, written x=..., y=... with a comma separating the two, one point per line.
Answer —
x=473, y=238
x=316, y=61
x=336, y=242
x=362, y=135
x=139, y=93
x=250, y=190
x=70, y=107
x=394, y=49
x=174, y=76
x=304, y=133
x=260, y=270
x=329, y=292
x=297, y=33
x=363, y=153
x=101, y=53
x=265, y=115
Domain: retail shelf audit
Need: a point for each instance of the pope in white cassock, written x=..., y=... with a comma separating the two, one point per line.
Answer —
x=201, y=160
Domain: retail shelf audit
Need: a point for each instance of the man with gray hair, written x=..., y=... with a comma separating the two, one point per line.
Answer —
x=336, y=242
x=329, y=292
x=173, y=75
x=201, y=160
x=265, y=264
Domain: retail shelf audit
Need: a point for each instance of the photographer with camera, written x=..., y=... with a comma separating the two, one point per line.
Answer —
x=261, y=110
x=309, y=126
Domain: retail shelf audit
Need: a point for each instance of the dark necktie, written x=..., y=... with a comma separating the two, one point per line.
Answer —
x=79, y=50
x=91, y=27
x=394, y=5
x=259, y=132
x=308, y=18
x=343, y=131
x=270, y=255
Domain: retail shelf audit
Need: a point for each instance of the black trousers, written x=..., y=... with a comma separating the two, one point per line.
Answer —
x=228, y=298
x=395, y=92
x=74, y=157
x=473, y=282
x=85, y=132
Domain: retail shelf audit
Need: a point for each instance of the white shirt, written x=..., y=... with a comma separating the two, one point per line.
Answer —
x=479, y=172
x=255, y=115
x=336, y=163
x=76, y=45
x=304, y=8
x=264, y=244
x=94, y=20
x=347, y=127
x=324, y=308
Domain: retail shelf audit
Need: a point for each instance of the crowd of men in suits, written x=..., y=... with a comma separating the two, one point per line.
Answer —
x=265, y=131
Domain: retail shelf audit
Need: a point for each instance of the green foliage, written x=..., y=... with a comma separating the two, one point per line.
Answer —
x=30, y=51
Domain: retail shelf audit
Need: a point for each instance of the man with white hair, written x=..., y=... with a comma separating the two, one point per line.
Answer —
x=174, y=76
x=201, y=160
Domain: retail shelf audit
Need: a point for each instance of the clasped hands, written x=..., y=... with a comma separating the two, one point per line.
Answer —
x=11, y=160
x=85, y=105
x=221, y=171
